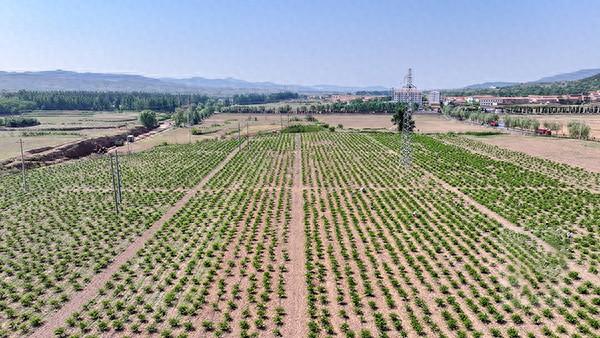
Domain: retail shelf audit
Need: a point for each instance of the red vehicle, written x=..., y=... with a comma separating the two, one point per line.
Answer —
x=493, y=123
x=543, y=131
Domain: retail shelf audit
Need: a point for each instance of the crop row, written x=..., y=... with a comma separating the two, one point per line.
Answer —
x=64, y=230
x=412, y=259
x=216, y=268
x=569, y=174
x=563, y=215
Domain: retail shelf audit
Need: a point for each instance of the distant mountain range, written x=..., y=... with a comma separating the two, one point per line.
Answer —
x=560, y=87
x=67, y=80
x=572, y=76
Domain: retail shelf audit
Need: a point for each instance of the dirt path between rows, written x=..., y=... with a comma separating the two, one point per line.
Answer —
x=491, y=214
x=296, y=323
x=80, y=298
x=581, y=270
x=513, y=227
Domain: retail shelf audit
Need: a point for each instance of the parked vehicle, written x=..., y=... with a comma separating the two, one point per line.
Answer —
x=543, y=131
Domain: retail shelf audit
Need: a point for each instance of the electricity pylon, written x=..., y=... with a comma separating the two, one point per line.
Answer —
x=406, y=133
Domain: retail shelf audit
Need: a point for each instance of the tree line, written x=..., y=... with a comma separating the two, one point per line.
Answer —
x=552, y=109
x=195, y=113
x=472, y=112
x=18, y=122
x=358, y=106
x=15, y=106
x=97, y=101
x=251, y=98
x=23, y=101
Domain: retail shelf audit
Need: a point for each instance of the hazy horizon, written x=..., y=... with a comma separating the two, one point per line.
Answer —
x=448, y=44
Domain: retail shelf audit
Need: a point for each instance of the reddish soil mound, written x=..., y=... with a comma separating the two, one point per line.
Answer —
x=50, y=155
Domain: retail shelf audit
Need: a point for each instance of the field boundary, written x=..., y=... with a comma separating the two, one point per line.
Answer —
x=297, y=321
x=509, y=225
x=80, y=298
x=515, y=163
x=490, y=213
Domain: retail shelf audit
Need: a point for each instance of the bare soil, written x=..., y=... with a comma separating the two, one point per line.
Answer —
x=224, y=124
x=583, y=154
x=295, y=303
x=62, y=127
x=357, y=121
x=424, y=122
x=50, y=155
x=436, y=123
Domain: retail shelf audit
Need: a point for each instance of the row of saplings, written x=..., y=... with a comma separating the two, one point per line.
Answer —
x=578, y=310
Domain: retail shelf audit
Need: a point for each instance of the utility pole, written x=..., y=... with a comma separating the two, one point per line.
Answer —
x=189, y=119
x=118, y=176
x=114, y=185
x=23, y=166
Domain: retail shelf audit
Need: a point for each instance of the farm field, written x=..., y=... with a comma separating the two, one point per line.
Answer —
x=217, y=126
x=81, y=119
x=582, y=177
x=10, y=147
x=59, y=127
x=304, y=235
x=583, y=154
x=55, y=238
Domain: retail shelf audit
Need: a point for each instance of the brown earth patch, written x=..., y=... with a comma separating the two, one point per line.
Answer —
x=583, y=154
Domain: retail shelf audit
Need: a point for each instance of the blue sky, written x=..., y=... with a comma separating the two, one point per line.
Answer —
x=448, y=43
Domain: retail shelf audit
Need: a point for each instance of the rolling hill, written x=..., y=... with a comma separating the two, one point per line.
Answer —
x=572, y=76
x=585, y=85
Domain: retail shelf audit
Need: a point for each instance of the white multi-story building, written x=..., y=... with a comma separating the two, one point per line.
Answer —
x=488, y=100
x=408, y=95
x=434, y=97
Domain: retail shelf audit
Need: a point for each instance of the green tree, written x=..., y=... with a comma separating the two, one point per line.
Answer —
x=148, y=119
x=578, y=129
x=398, y=117
x=555, y=126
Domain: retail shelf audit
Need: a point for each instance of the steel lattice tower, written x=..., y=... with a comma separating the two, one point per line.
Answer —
x=406, y=134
